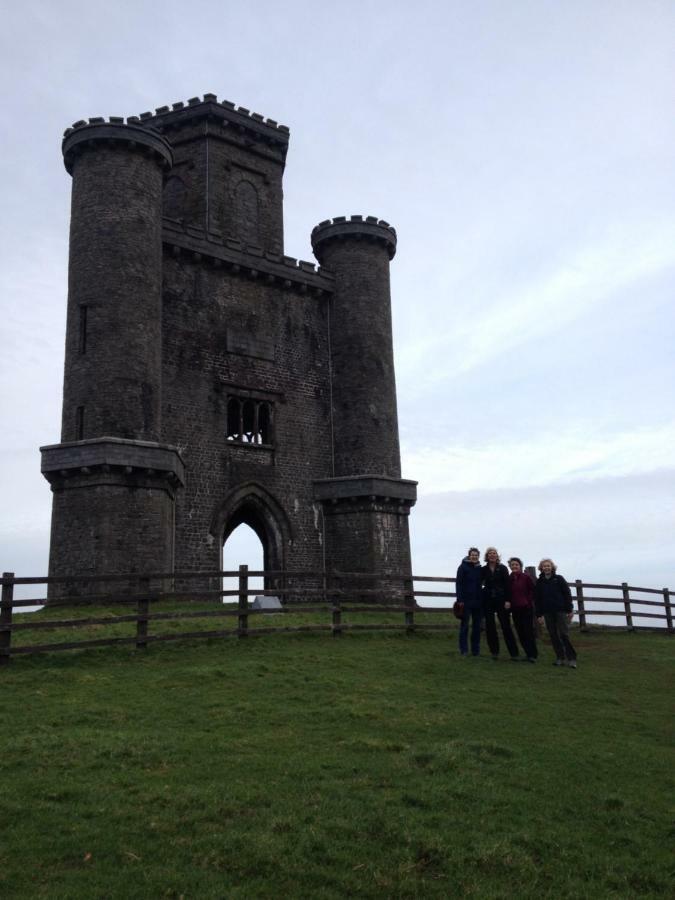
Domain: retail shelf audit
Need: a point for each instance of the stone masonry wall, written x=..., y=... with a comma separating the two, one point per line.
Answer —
x=364, y=384
x=366, y=537
x=113, y=362
x=118, y=526
x=206, y=312
x=221, y=183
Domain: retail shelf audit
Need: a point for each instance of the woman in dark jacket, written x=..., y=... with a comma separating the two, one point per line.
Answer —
x=553, y=602
x=497, y=592
x=522, y=607
x=469, y=593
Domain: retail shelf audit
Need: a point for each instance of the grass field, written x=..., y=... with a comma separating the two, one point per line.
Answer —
x=376, y=765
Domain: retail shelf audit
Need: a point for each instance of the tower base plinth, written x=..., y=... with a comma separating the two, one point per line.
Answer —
x=113, y=510
x=366, y=531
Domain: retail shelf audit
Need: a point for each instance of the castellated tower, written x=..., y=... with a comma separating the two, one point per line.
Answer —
x=210, y=380
x=366, y=504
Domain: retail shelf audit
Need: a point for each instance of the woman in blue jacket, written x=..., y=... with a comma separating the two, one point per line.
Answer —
x=469, y=592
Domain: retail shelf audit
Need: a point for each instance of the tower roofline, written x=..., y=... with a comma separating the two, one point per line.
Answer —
x=76, y=140
x=254, y=125
x=368, y=228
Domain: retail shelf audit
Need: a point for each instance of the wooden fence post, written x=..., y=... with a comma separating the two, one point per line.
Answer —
x=579, y=586
x=142, y=613
x=337, y=613
x=243, y=601
x=6, y=619
x=626, y=605
x=669, y=609
x=409, y=614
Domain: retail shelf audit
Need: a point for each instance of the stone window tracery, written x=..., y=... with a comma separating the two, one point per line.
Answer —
x=249, y=421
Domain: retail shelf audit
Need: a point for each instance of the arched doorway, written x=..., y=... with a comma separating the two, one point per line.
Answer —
x=251, y=504
x=242, y=547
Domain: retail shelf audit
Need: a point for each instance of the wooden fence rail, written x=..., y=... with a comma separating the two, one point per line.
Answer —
x=320, y=593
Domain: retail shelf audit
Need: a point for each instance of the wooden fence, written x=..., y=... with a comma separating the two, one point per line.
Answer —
x=332, y=595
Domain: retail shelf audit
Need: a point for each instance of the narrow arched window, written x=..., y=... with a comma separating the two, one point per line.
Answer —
x=79, y=423
x=175, y=194
x=248, y=215
x=82, y=332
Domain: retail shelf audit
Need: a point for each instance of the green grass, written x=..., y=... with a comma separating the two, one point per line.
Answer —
x=378, y=765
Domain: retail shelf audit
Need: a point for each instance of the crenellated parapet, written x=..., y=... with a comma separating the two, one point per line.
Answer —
x=358, y=228
x=223, y=164
x=224, y=113
x=198, y=245
x=85, y=135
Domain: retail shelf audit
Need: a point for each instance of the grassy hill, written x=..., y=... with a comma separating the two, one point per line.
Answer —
x=376, y=765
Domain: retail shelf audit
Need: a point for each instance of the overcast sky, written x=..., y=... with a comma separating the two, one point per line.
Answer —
x=524, y=152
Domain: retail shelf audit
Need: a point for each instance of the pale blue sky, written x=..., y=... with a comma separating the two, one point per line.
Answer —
x=524, y=152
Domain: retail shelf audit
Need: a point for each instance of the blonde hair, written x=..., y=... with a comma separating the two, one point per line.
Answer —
x=485, y=558
x=547, y=559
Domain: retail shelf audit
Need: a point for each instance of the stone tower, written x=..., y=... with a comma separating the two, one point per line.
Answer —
x=210, y=380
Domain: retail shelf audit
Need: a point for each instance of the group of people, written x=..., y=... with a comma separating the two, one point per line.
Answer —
x=491, y=593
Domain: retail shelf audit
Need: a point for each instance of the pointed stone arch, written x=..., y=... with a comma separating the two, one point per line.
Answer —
x=253, y=505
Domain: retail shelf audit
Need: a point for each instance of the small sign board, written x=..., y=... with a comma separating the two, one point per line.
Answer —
x=267, y=604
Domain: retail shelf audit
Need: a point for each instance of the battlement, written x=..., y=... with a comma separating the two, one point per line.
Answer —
x=83, y=134
x=243, y=259
x=368, y=228
x=251, y=124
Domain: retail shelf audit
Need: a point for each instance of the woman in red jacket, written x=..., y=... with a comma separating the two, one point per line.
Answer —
x=522, y=607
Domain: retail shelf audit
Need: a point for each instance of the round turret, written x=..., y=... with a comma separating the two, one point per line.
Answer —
x=365, y=422
x=85, y=135
x=357, y=228
x=112, y=377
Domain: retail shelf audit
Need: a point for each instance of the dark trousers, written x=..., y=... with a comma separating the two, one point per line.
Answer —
x=558, y=630
x=523, y=619
x=491, y=631
x=474, y=615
